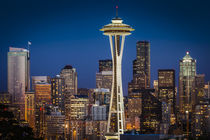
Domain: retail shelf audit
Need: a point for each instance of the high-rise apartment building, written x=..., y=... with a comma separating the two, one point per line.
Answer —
x=58, y=92
x=141, y=67
x=105, y=65
x=18, y=77
x=69, y=75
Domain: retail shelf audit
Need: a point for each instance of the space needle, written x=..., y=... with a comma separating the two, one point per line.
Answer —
x=116, y=31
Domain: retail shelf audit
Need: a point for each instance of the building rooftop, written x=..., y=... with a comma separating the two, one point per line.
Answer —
x=68, y=67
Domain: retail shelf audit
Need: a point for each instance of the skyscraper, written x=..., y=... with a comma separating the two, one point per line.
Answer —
x=42, y=99
x=30, y=109
x=187, y=75
x=57, y=85
x=116, y=120
x=105, y=65
x=18, y=77
x=78, y=111
x=166, y=87
x=69, y=75
x=141, y=67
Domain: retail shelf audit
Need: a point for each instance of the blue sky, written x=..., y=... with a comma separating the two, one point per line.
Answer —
x=67, y=32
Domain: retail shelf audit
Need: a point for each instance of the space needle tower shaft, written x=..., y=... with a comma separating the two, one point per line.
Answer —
x=116, y=31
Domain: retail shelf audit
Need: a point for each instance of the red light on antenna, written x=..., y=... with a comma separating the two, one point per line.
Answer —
x=116, y=6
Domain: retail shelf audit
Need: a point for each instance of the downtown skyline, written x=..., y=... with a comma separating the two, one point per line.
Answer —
x=59, y=31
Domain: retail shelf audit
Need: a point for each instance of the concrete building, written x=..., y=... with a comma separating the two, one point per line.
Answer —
x=98, y=112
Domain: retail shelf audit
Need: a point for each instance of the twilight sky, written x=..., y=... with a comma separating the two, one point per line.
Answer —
x=67, y=32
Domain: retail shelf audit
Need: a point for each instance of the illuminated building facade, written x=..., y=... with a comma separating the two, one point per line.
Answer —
x=5, y=98
x=104, y=80
x=18, y=77
x=187, y=75
x=116, y=120
x=42, y=98
x=75, y=119
x=69, y=75
x=102, y=95
x=95, y=130
x=105, y=65
x=144, y=109
x=141, y=67
x=151, y=116
x=207, y=89
x=39, y=79
x=166, y=87
x=58, y=92
x=201, y=121
x=55, y=125
x=134, y=112
x=30, y=109
x=155, y=86
x=83, y=91
x=43, y=93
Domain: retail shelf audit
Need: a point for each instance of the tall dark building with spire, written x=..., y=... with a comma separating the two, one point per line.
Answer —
x=141, y=67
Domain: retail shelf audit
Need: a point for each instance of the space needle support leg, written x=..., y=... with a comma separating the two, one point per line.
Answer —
x=111, y=100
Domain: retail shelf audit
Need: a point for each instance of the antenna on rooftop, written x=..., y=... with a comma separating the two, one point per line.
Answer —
x=116, y=10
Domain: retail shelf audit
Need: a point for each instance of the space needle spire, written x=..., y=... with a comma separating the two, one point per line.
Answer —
x=116, y=31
